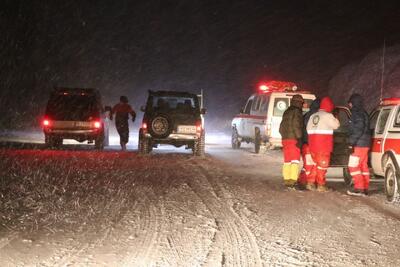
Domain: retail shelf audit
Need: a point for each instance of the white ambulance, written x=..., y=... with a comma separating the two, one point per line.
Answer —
x=385, y=150
x=258, y=122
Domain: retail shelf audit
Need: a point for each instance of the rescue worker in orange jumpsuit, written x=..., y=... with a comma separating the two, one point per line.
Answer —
x=308, y=163
x=359, y=144
x=291, y=129
x=122, y=111
x=320, y=129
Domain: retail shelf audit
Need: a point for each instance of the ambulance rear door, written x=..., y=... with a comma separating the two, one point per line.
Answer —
x=277, y=106
x=392, y=138
x=379, y=135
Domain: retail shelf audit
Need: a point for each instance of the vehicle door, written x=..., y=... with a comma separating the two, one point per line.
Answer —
x=255, y=119
x=378, y=139
x=280, y=104
x=243, y=131
x=340, y=154
x=393, y=136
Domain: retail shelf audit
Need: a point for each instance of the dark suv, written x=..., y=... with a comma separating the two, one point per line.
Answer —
x=174, y=118
x=75, y=114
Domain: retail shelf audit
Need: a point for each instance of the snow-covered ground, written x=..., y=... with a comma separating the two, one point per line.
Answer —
x=80, y=207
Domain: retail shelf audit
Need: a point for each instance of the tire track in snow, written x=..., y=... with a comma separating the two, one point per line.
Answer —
x=147, y=231
x=235, y=244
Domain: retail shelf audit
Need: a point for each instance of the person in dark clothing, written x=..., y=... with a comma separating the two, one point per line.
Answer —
x=359, y=144
x=291, y=130
x=308, y=162
x=122, y=111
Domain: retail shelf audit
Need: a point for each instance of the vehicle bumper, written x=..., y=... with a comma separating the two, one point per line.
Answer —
x=82, y=134
x=175, y=136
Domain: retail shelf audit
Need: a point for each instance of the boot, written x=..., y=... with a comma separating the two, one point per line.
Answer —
x=301, y=186
x=123, y=147
x=310, y=187
x=289, y=183
x=356, y=192
x=322, y=188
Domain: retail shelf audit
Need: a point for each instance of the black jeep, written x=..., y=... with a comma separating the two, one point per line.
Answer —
x=75, y=113
x=174, y=118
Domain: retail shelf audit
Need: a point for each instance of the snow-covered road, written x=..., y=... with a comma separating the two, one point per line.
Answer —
x=79, y=207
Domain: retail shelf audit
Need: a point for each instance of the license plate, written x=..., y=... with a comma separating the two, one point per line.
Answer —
x=82, y=124
x=187, y=129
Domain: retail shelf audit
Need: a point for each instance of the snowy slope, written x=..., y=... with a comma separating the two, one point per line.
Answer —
x=364, y=77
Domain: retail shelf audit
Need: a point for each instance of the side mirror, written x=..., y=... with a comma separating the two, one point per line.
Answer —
x=143, y=108
x=203, y=111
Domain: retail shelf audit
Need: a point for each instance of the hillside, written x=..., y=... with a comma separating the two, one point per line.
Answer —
x=364, y=77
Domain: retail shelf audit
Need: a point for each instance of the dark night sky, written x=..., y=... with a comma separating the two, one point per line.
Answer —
x=224, y=47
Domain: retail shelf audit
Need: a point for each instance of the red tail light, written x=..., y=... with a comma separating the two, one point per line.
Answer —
x=97, y=124
x=46, y=123
x=199, y=127
x=144, y=127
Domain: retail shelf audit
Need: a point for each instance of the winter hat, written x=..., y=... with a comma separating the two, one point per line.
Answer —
x=297, y=101
x=297, y=98
x=356, y=100
x=327, y=104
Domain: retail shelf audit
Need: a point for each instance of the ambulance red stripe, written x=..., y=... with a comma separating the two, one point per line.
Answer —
x=247, y=116
x=390, y=144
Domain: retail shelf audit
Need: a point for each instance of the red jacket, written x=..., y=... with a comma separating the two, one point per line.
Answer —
x=320, y=128
x=122, y=111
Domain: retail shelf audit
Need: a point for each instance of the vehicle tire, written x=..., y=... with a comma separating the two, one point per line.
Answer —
x=391, y=184
x=257, y=141
x=99, y=142
x=160, y=126
x=144, y=145
x=199, y=146
x=47, y=140
x=235, y=139
x=53, y=141
x=348, y=179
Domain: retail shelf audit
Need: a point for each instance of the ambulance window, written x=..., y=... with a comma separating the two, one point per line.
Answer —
x=397, y=119
x=256, y=103
x=343, y=118
x=248, y=106
x=280, y=105
x=264, y=103
x=373, y=118
x=380, y=127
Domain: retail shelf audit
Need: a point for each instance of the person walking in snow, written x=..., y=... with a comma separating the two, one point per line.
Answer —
x=122, y=111
x=308, y=162
x=320, y=129
x=359, y=144
x=291, y=130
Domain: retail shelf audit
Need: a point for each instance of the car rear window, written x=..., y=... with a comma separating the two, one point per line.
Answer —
x=171, y=103
x=397, y=119
x=72, y=107
x=383, y=117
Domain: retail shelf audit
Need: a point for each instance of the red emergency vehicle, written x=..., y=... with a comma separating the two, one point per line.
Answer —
x=258, y=122
x=385, y=150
